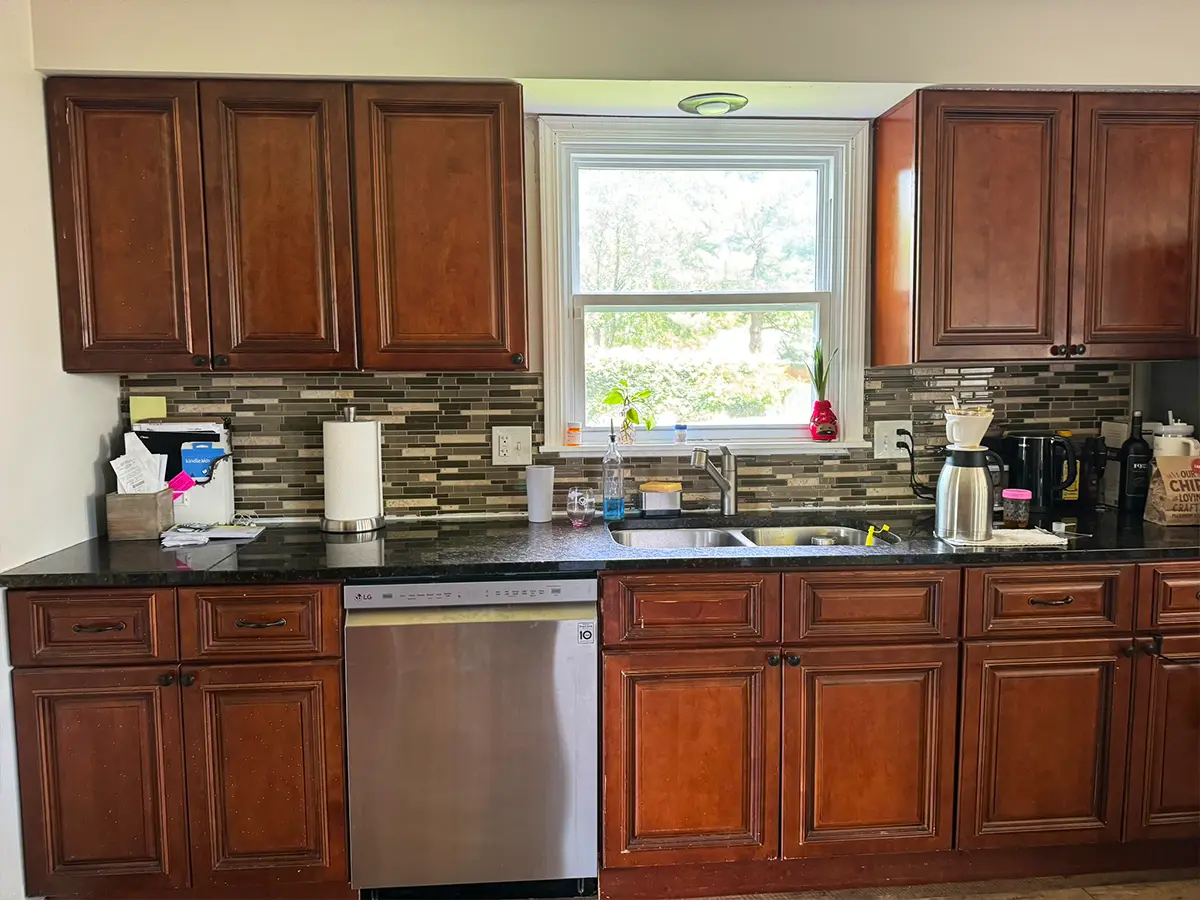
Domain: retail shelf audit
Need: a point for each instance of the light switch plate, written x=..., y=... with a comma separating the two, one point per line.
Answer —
x=886, y=435
x=512, y=445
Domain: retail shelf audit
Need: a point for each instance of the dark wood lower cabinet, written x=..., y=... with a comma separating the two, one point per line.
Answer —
x=868, y=749
x=100, y=755
x=691, y=756
x=1044, y=734
x=266, y=775
x=1164, y=753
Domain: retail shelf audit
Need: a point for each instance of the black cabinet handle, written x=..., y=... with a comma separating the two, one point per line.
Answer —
x=97, y=629
x=792, y=660
x=1080, y=349
x=774, y=659
x=187, y=680
x=1057, y=350
x=220, y=360
x=1156, y=650
x=278, y=623
x=166, y=680
x=199, y=360
x=1065, y=601
x=518, y=359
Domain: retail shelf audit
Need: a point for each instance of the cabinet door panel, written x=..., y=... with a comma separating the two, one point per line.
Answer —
x=129, y=215
x=903, y=604
x=691, y=757
x=100, y=758
x=1044, y=735
x=1164, y=755
x=266, y=777
x=277, y=175
x=995, y=224
x=868, y=750
x=441, y=250
x=1136, y=284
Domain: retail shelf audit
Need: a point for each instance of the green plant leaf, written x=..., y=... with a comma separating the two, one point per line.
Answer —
x=631, y=415
x=648, y=420
x=642, y=395
x=614, y=398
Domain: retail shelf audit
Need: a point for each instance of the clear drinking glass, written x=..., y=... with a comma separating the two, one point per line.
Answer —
x=581, y=506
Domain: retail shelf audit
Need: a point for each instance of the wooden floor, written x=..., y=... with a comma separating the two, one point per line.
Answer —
x=1174, y=885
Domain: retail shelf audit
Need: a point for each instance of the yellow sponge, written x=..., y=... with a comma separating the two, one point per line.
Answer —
x=661, y=487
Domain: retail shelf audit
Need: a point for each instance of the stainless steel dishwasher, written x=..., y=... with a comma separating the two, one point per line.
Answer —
x=472, y=725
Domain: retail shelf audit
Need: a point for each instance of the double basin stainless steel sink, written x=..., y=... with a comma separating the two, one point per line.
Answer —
x=805, y=535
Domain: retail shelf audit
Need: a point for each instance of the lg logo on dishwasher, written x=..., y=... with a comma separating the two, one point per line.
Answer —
x=587, y=632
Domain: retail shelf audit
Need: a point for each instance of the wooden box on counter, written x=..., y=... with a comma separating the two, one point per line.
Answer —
x=139, y=517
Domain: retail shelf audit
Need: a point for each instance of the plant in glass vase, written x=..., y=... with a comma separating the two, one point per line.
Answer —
x=634, y=408
x=823, y=425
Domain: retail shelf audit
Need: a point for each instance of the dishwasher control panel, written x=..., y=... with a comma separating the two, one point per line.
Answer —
x=468, y=593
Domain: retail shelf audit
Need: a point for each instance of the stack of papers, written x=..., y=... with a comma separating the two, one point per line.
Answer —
x=1014, y=537
x=199, y=535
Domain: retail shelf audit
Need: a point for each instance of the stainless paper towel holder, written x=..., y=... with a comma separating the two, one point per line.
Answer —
x=344, y=526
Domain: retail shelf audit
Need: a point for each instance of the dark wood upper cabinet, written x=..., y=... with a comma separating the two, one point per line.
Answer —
x=100, y=756
x=1136, y=278
x=266, y=775
x=277, y=179
x=1028, y=225
x=868, y=749
x=973, y=225
x=438, y=178
x=1164, y=772
x=129, y=215
x=691, y=756
x=1045, y=729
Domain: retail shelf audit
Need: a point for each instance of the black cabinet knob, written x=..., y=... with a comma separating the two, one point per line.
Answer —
x=166, y=680
x=518, y=359
x=1080, y=349
x=187, y=680
x=792, y=660
x=1057, y=350
x=199, y=360
x=220, y=360
x=774, y=659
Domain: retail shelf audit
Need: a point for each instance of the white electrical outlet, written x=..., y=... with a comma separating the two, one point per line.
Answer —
x=887, y=435
x=512, y=445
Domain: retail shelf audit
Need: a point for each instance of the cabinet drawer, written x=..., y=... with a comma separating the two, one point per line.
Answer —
x=1023, y=600
x=257, y=623
x=1168, y=596
x=683, y=609
x=87, y=628
x=908, y=604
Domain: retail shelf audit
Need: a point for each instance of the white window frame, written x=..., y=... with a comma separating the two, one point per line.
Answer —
x=838, y=149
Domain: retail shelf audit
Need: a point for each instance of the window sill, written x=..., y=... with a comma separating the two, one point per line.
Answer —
x=739, y=448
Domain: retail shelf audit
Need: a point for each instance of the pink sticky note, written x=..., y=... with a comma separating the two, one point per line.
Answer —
x=180, y=484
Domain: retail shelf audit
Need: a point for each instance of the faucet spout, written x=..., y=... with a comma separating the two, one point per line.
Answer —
x=725, y=477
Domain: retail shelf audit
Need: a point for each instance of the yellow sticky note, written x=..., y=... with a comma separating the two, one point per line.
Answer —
x=141, y=408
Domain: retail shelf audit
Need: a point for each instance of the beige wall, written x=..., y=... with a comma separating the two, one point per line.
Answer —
x=927, y=41
x=48, y=488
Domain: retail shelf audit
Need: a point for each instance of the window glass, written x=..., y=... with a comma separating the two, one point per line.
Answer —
x=705, y=366
x=682, y=230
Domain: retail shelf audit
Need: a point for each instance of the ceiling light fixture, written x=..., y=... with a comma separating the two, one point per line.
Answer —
x=712, y=104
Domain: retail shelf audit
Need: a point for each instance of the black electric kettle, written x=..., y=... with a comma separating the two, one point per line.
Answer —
x=1035, y=463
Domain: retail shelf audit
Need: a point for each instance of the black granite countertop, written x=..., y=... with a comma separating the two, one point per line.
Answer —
x=442, y=549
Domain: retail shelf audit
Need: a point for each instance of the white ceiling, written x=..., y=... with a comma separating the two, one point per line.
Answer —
x=659, y=98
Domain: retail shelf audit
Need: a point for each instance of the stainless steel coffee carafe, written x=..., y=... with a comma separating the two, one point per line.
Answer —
x=965, y=495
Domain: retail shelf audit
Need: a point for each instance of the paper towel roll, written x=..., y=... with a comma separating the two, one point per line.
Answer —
x=353, y=470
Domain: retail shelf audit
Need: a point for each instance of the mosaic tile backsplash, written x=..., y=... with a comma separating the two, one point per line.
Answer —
x=437, y=445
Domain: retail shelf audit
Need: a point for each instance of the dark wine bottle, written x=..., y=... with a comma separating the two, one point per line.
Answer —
x=1135, y=469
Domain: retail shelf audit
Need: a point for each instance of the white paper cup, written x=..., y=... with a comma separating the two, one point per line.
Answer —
x=539, y=492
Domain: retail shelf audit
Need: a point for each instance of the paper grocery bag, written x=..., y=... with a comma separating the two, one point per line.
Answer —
x=1174, y=491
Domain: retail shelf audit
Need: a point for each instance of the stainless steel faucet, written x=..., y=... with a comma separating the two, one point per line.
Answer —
x=726, y=478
